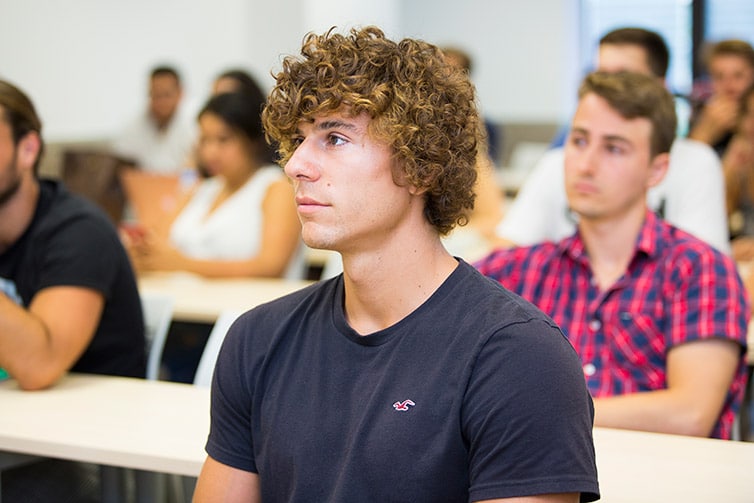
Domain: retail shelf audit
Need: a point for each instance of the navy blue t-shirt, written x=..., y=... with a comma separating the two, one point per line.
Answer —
x=474, y=395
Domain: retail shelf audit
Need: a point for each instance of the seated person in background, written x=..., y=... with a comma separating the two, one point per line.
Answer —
x=488, y=206
x=691, y=196
x=68, y=297
x=462, y=60
x=488, y=210
x=730, y=65
x=738, y=164
x=409, y=377
x=241, y=220
x=161, y=139
x=658, y=317
x=236, y=81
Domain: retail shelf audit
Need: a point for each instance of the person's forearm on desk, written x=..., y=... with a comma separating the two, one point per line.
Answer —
x=38, y=345
x=699, y=374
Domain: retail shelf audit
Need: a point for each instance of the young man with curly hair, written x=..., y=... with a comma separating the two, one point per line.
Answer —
x=409, y=377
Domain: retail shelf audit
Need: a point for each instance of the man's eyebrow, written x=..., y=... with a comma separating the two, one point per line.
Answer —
x=580, y=130
x=336, y=124
x=617, y=138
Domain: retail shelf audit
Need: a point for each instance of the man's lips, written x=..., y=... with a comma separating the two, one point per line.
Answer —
x=308, y=205
x=308, y=201
x=585, y=187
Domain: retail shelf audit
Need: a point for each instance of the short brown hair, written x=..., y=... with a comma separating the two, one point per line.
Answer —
x=731, y=47
x=419, y=104
x=19, y=113
x=634, y=95
x=655, y=48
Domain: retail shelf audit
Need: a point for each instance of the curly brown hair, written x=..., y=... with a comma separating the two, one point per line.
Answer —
x=421, y=106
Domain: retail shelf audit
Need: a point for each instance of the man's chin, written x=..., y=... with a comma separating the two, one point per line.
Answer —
x=317, y=241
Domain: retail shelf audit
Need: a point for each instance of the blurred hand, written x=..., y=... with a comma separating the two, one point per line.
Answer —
x=150, y=251
x=718, y=116
x=738, y=159
x=743, y=249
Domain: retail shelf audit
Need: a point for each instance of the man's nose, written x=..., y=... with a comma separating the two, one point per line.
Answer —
x=303, y=163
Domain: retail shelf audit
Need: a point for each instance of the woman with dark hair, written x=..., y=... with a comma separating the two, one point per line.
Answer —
x=236, y=81
x=241, y=220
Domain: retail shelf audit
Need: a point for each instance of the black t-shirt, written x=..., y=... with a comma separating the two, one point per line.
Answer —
x=71, y=243
x=475, y=395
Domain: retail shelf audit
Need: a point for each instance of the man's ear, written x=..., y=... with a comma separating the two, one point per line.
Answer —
x=28, y=149
x=415, y=191
x=658, y=168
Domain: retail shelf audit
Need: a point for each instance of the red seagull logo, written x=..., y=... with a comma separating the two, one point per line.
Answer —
x=404, y=405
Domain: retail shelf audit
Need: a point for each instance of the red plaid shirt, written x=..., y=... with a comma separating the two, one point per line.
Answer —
x=676, y=289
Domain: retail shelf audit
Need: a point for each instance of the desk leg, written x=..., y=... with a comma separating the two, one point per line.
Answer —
x=149, y=486
x=11, y=460
x=744, y=417
x=113, y=484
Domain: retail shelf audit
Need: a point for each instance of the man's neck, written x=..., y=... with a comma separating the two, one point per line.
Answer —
x=16, y=214
x=162, y=124
x=610, y=245
x=385, y=286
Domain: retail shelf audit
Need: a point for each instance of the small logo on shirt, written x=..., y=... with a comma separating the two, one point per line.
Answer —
x=404, y=405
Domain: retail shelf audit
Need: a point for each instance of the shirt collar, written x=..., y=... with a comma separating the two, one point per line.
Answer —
x=650, y=239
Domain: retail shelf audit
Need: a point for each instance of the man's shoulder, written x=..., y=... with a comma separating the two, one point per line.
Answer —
x=686, y=152
x=679, y=244
x=183, y=124
x=519, y=257
x=551, y=160
x=138, y=125
x=64, y=208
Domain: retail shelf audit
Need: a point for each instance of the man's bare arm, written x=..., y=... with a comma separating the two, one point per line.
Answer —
x=38, y=345
x=541, y=498
x=223, y=484
x=699, y=374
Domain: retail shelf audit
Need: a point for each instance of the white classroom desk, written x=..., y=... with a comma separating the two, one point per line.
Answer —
x=161, y=426
x=132, y=423
x=198, y=299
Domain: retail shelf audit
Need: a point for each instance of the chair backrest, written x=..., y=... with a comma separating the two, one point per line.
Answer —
x=158, y=312
x=203, y=376
x=94, y=175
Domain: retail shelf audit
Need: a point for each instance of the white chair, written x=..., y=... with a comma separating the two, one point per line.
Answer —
x=158, y=312
x=203, y=377
x=149, y=486
x=206, y=367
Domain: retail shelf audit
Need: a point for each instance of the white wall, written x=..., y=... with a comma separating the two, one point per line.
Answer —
x=525, y=52
x=85, y=62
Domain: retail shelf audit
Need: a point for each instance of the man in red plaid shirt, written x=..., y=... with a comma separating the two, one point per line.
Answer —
x=658, y=317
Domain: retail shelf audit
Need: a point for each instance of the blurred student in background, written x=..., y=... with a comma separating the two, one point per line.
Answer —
x=68, y=297
x=236, y=80
x=691, y=195
x=161, y=138
x=241, y=220
x=730, y=65
x=738, y=163
x=489, y=204
x=658, y=317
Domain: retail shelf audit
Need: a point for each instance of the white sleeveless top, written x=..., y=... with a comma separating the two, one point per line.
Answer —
x=233, y=231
